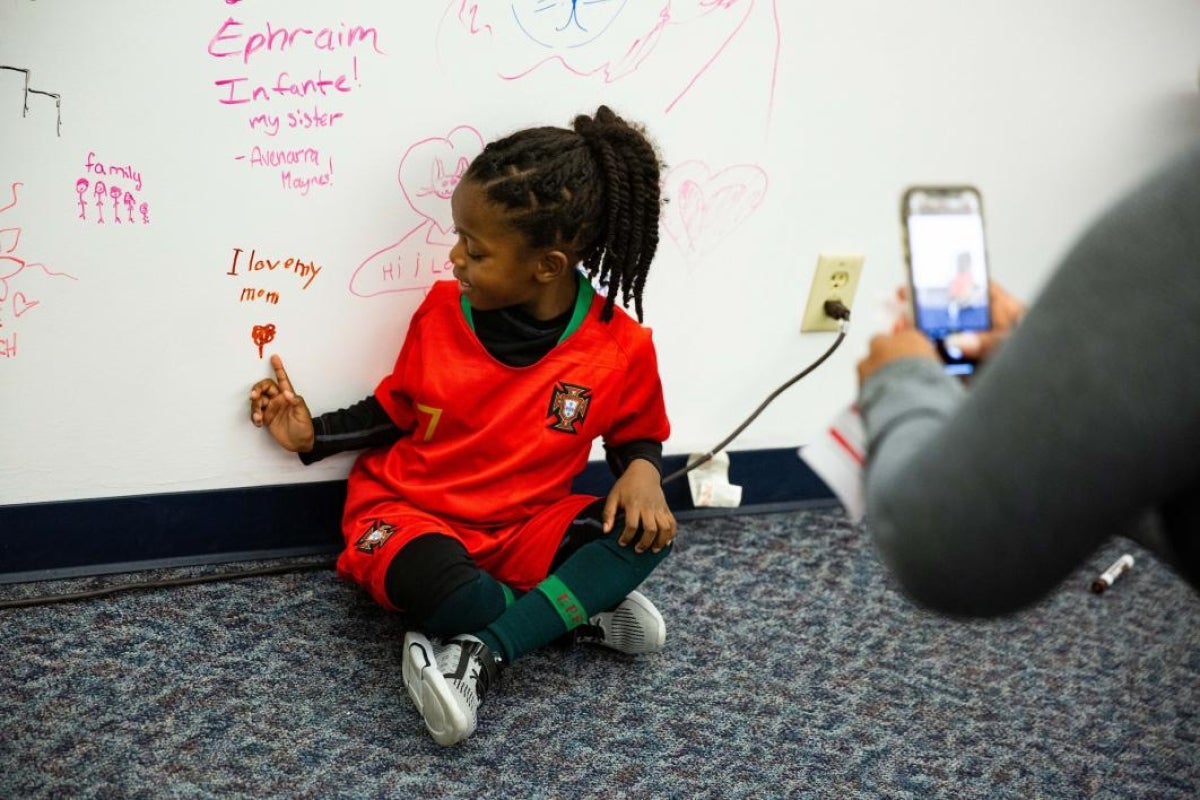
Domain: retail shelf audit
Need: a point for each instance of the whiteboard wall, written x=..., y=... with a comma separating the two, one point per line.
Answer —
x=188, y=187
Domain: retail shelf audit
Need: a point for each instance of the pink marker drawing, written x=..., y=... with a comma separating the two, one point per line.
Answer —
x=115, y=183
x=706, y=205
x=81, y=187
x=115, y=193
x=21, y=303
x=101, y=192
x=12, y=266
x=429, y=171
x=606, y=39
x=14, y=196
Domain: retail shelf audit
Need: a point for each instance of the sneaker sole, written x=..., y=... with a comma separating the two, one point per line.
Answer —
x=418, y=654
x=636, y=645
x=446, y=722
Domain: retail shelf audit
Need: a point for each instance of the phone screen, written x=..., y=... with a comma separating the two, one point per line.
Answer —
x=947, y=261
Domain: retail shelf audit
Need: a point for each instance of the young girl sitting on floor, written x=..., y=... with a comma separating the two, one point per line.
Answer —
x=460, y=513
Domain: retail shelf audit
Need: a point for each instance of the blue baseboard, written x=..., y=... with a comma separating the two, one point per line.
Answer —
x=51, y=541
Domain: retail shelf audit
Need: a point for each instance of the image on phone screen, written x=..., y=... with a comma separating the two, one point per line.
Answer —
x=948, y=271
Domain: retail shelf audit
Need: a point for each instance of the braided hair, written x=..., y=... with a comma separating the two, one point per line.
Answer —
x=592, y=191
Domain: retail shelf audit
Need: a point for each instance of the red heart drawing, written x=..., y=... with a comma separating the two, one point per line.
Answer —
x=21, y=303
x=262, y=335
x=706, y=206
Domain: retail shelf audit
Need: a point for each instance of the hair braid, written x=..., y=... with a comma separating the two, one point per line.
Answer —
x=593, y=191
x=614, y=253
x=651, y=213
x=635, y=273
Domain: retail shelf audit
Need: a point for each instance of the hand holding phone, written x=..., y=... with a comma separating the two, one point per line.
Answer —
x=946, y=256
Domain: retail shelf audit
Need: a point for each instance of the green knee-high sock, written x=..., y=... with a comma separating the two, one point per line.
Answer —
x=471, y=606
x=596, y=578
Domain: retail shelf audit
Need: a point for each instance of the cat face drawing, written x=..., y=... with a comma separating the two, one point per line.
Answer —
x=441, y=183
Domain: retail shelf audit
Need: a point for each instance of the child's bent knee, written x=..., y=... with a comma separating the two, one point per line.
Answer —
x=426, y=571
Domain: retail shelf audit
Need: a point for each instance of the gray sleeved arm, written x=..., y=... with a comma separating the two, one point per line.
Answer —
x=1085, y=421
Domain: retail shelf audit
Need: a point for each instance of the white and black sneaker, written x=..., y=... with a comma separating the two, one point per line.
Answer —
x=448, y=691
x=634, y=626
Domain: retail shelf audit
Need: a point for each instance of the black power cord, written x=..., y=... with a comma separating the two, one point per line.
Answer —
x=91, y=594
x=833, y=308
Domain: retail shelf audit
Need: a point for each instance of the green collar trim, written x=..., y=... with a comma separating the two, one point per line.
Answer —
x=466, y=309
x=583, y=302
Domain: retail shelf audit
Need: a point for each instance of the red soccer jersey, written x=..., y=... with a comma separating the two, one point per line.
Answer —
x=491, y=444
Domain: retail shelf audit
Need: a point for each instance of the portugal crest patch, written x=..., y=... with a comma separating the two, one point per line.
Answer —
x=376, y=535
x=568, y=405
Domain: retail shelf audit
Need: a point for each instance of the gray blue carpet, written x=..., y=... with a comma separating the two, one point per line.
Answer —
x=793, y=669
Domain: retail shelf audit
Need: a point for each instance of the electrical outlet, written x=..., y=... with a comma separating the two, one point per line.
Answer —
x=836, y=278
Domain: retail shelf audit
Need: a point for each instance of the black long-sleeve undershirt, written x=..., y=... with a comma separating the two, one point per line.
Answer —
x=357, y=427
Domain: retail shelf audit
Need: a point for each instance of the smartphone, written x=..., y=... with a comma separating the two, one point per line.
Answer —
x=946, y=254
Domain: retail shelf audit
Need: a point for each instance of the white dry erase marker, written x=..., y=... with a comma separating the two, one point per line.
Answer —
x=1118, y=568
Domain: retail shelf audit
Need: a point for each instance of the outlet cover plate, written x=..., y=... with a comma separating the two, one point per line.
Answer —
x=835, y=278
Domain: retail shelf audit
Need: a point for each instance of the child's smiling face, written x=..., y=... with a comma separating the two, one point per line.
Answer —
x=493, y=263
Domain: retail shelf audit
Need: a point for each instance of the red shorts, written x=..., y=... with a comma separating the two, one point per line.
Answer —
x=518, y=555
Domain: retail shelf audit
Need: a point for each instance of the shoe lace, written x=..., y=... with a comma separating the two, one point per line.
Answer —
x=473, y=682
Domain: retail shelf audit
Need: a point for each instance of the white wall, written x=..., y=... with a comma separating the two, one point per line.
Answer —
x=128, y=348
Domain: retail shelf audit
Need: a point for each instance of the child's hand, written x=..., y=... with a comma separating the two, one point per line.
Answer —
x=639, y=494
x=276, y=405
